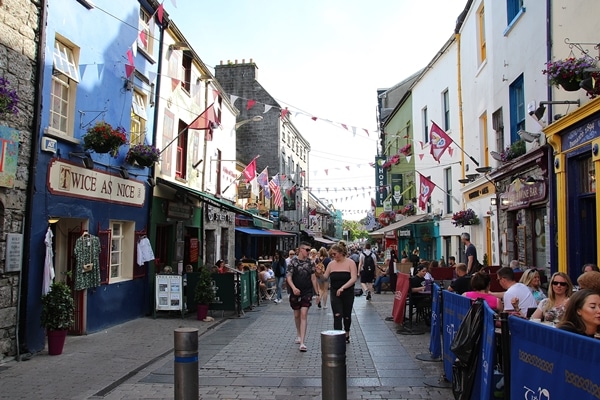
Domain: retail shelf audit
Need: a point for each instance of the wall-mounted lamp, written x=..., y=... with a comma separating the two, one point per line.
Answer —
x=464, y=181
x=256, y=118
x=85, y=157
x=483, y=170
x=529, y=137
x=538, y=114
x=53, y=220
x=532, y=181
x=179, y=46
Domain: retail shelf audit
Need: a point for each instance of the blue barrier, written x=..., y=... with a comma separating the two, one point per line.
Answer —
x=487, y=357
x=455, y=308
x=435, y=340
x=550, y=363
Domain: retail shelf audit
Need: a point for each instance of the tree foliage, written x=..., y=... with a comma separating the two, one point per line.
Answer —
x=356, y=230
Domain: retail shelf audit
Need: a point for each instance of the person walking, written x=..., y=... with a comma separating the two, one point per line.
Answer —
x=473, y=264
x=322, y=262
x=366, y=267
x=341, y=272
x=279, y=267
x=302, y=283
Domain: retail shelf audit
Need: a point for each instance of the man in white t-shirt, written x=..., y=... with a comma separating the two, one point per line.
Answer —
x=517, y=297
x=291, y=255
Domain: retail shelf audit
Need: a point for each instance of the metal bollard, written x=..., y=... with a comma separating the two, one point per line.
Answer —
x=333, y=367
x=186, y=364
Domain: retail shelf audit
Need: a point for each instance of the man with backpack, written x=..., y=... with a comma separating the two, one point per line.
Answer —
x=366, y=268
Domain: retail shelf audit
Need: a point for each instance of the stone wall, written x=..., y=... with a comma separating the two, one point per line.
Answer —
x=19, y=38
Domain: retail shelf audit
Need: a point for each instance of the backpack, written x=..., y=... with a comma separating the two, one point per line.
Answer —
x=368, y=262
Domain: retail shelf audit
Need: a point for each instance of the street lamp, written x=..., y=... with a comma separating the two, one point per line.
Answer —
x=256, y=118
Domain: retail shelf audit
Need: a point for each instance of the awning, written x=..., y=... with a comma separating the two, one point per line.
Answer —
x=323, y=240
x=308, y=233
x=281, y=233
x=261, y=222
x=254, y=231
x=331, y=238
x=208, y=198
x=399, y=224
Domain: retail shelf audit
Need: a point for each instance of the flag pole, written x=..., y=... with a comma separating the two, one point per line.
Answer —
x=239, y=176
x=460, y=148
x=435, y=184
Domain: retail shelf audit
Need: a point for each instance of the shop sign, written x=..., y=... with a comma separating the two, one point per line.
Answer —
x=214, y=214
x=244, y=189
x=404, y=233
x=179, y=210
x=381, y=182
x=251, y=207
x=520, y=195
x=71, y=180
x=581, y=135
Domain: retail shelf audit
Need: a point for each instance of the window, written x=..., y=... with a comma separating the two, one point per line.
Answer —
x=63, y=89
x=517, y=108
x=485, y=156
x=446, y=109
x=166, y=156
x=448, y=188
x=186, y=66
x=181, y=157
x=121, y=251
x=513, y=8
x=587, y=176
x=138, y=118
x=498, y=126
x=145, y=39
x=481, y=34
x=425, y=125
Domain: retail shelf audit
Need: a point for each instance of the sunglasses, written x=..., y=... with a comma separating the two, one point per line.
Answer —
x=559, y=283
x=305, y=248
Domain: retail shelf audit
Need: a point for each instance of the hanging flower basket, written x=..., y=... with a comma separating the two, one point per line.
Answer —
x=103, y=138
x=144, y=155
x=569, y=72
x=406, y=150
x=8, y=98
x=408, y=210
x=465, y=217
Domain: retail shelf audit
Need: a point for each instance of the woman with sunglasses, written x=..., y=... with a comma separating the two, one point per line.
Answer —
x=552, y=308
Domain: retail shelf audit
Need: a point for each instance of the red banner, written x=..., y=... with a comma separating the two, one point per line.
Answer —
x=402, y=288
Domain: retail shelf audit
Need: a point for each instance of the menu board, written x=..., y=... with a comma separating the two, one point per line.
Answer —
x=169, y=289
x=521, y=245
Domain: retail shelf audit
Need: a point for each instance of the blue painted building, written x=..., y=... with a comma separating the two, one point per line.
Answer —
x=100, y=64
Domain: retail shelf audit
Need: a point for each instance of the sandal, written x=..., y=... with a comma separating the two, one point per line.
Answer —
x=302, y=348
x=297, y=341
x=347, y=338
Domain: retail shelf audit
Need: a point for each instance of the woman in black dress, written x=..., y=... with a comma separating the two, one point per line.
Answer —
x=342, y=274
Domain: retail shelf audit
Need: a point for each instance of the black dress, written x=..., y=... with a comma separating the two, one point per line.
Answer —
x=341, y=306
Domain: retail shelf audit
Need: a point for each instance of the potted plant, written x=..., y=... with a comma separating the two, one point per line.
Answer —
x=513, y=151
x=57, y=316
x=8, y=98
x=568, y=72
x=465, y=217
x=205, y=292
x=103, y=138
x=144, y=155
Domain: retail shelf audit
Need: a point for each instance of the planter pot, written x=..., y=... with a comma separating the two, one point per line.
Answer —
x=56, y=342
x=143, y=161
x=101, y=149
x=202, y=312
x=570, y=86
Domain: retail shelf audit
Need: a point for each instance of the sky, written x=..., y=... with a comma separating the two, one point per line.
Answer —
x=325, y=58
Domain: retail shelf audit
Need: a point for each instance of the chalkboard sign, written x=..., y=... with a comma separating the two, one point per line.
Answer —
x=521, y=245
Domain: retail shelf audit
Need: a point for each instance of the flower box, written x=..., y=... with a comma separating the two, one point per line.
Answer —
x=465, y=217
x=144, y=155
x=569, y=72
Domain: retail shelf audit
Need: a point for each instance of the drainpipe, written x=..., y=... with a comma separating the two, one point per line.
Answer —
x=35, y=140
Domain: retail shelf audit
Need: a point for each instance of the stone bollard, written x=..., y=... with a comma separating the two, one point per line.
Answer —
x=333, y=367
x=186, y=364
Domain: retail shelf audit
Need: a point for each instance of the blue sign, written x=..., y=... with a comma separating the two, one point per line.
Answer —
x=455, y=309
x=549, y=363
x=435, y=340
x=581, y=135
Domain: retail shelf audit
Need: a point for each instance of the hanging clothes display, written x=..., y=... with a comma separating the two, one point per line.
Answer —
x=87, y=262
x=144, y=251
x=48, y=263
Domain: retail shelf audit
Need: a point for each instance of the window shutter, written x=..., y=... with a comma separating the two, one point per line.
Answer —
x=139, y=271
x=104, y=236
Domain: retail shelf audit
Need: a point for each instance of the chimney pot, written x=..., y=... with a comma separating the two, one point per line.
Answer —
x=243, y=61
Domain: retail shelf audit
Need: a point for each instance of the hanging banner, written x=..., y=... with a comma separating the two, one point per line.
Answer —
x=381, y=182
x=397, y=185
x=289, y=199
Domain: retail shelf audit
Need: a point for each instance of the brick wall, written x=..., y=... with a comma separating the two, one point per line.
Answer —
x=19, y=37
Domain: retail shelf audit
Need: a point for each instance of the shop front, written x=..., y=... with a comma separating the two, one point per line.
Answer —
x=575, y=139
x=94, y=222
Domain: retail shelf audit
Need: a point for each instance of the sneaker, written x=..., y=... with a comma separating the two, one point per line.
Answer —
x=368, y=295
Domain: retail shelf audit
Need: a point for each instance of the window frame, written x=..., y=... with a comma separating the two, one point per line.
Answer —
x=138, y=118
x=181, y=151
x=425, y=124
x=145, y=23
x=126, y=251
x=446, y=109
x=448, y=188
x=513, y=10
x=517, y=107
x=63, y=88
x=481, y=39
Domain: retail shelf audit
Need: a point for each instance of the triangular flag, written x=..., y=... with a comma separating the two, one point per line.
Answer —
x=143, y=38
x=284, y=113
x=313, y=118
x=326, y=172
x=353, y=131
x=408, y=158
x=421, y=156
x=159, y=13
x=129, y=68
x=134, y=48
x=345, y=126
x=174, y=3
x=263, y=181
x=366, y=131
x=421, y=143
x=267, y=108
x=233, y=98
x=250, y=104
x=255, y=187
x=450, y=151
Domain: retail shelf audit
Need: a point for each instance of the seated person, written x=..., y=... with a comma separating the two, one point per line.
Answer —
x=582, y=314
x=517, y=297
x=264, y=280
x=553, y=307
x=480, y=289
x=419, y=295
x=589, y=280
x=531, y=279
x=220, y=264
x=589, y=267
x=462, y=283
x=383, y=277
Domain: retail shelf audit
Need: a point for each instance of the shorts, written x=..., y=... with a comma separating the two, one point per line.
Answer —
x=297, y=302
x=367, y=277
